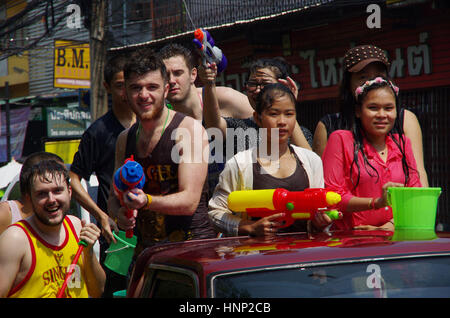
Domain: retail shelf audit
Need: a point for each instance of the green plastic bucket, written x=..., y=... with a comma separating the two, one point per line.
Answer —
x=120, y=254
x=414, y=208
x=413, y=235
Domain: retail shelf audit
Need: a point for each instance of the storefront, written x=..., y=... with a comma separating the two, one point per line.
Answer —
x=56, y=124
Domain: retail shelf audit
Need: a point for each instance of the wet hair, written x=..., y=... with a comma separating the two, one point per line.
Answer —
x=142, y=61
x=358, y=134
x=277, y=66
x=29, y=162
x=269, y=94
x=114, y=65
x=46, y=170
x=175, y=49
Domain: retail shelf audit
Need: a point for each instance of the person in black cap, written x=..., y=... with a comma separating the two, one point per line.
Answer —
x=360, y=64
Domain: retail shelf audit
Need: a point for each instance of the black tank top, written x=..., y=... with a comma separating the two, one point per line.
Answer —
x=298, y=181
x=161, y=175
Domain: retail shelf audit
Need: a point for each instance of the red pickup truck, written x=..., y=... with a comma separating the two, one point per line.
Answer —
x=339, y=264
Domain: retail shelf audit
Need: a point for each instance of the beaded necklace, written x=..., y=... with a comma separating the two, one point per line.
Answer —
x=162, y=132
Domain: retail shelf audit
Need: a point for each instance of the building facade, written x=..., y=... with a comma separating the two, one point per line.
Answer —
x=313, y=36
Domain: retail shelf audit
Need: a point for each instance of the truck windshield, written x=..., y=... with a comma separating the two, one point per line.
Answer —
x=411, y=277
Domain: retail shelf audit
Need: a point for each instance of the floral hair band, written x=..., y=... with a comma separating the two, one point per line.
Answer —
x=378, y=80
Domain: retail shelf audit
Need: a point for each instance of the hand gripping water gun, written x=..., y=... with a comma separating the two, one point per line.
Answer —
x=209, y=52
x=127, y=177
x=297, y=205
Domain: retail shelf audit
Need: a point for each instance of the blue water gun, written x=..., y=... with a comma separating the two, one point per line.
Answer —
x=129, y=176
x=210, y=53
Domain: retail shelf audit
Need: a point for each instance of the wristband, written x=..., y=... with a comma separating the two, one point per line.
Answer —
x=370, y=204
x=149, y=201
x=373, y=204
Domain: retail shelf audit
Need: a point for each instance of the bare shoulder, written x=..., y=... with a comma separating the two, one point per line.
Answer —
x=233, y=103
x=410, y=118
x=411, y=126
x=13, y=239
x=121, y=144
x=227, y=95
x=228, y=91
x=122, y=136
x=76, y=222
x=191, y=123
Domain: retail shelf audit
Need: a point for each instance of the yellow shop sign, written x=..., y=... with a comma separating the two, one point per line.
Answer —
x=71, y=64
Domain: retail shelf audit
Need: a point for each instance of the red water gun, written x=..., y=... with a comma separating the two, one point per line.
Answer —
x=297, y=205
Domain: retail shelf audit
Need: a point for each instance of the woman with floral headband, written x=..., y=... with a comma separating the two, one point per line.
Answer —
x=362, y=63
x=361, y=163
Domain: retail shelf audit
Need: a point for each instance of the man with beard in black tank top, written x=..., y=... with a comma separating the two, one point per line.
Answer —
x=172, y=205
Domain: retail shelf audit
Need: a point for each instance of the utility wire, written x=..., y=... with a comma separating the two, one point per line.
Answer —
x=189, y=14
x=21, y=20
x=33, y=44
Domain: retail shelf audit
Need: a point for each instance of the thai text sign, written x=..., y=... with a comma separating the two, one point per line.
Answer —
x=71, y=65
x=65, y=122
